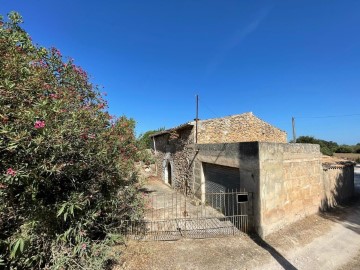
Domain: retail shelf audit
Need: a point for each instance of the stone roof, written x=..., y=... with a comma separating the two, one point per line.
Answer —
x=192, y=123
x=236, y=115
x=167, y=131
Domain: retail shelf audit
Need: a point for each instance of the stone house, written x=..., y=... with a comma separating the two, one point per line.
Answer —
x=288, y=181
x=175, y=148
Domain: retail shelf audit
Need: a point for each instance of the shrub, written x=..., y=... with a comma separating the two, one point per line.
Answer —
x=145, y=141
x=145, y=156
x=63, y=160
x=326, y=147
x=326, y=150
x=344, y=149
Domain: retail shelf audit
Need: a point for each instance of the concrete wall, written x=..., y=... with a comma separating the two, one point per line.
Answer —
x=238, y=128
x=294, y=183
x=290, y=184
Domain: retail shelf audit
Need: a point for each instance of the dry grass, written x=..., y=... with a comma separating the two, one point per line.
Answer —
x=349, y=156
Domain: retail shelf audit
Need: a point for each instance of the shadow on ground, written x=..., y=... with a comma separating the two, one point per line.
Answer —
x=347, y=214
x=273, y=252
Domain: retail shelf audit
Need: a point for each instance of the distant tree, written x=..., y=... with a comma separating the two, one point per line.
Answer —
x=344, y=149
x=144, y=140
x=326, y=147
x=325, y=150
x=306, y=139
x=330, y=147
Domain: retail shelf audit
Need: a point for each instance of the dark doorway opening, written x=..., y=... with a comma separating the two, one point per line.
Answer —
x=169, y=174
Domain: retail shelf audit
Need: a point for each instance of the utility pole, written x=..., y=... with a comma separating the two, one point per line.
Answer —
x=197, y=119
x=293, y=129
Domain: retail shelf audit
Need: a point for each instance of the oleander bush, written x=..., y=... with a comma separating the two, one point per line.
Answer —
x=67, y=177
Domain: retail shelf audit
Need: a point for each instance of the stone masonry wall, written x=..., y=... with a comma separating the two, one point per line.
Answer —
x=176, y=149
x=238, y=128
x=338, y=183
x=160, y=151
x=290, y=184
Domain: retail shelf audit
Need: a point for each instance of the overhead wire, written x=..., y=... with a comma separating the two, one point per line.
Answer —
x=208, y=108
x=328, y=116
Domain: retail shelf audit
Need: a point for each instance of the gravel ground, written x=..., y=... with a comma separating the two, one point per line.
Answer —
x=325, y=241
x=240, y=252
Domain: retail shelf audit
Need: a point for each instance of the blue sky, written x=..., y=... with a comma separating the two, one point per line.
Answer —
x=277, y=59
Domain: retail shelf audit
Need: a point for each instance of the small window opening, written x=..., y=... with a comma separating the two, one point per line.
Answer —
x=242, y=198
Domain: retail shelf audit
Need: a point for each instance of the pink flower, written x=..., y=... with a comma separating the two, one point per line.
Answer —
x=56, y=51
x=11, y=172
x=83, y=246
x=54, y=96
x=2, y=186
x=39, y=124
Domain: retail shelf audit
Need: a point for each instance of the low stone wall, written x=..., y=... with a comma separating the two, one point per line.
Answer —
x=238, y=128
x=338, y=180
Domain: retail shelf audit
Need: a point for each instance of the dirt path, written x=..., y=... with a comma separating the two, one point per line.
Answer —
x=332, y=250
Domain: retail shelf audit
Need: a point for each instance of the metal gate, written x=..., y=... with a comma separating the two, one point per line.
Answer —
x=175, y=216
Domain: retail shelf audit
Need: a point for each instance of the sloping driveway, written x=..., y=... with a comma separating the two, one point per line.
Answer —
x=324, y=241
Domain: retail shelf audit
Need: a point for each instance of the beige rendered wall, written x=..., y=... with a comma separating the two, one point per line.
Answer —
x=290, y=184
x=238, y=128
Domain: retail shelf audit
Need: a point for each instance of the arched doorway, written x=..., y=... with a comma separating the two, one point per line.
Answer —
x=169, y=176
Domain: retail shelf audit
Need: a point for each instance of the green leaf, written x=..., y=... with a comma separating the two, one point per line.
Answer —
x=22, y=243
x=61, y=210
x=14, y=249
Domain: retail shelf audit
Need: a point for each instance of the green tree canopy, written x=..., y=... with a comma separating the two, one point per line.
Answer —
x=145, y=140
x=329, y=147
